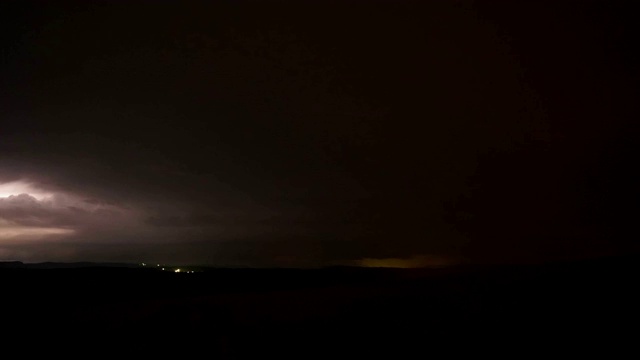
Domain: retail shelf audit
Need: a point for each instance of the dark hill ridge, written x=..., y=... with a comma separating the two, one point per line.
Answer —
x=11, y=264
x=331, y=309
x=61, y=265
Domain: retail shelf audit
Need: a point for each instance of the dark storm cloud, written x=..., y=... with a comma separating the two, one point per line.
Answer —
x=316, y=133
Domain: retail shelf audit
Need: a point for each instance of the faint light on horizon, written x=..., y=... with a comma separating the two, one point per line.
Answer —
x=407, y=263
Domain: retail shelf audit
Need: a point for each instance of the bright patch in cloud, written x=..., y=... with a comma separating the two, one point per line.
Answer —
x=14, y=188
x=27, y=212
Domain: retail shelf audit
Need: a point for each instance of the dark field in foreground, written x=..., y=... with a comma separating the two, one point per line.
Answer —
x=238, y=312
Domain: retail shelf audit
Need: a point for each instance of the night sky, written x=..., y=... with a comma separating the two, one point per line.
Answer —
x=314, y=133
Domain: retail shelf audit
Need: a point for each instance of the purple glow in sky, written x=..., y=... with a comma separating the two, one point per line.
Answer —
x=31, y=215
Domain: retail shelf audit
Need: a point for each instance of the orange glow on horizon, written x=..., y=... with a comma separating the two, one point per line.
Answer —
x=406, y=263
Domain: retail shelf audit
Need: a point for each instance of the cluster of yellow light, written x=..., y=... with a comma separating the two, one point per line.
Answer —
x=177, y=270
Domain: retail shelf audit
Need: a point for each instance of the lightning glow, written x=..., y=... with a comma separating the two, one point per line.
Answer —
x=14, y=230
x=18, y=187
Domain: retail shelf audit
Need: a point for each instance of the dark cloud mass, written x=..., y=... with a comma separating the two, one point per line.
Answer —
x=315, y=133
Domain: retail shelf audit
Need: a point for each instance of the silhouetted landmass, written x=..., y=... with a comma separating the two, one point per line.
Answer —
x=62, y=265
x=240, y=312
x=11, y=264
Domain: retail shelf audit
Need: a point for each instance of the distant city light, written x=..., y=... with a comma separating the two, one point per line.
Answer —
x=162, y=268
x=177, y=270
